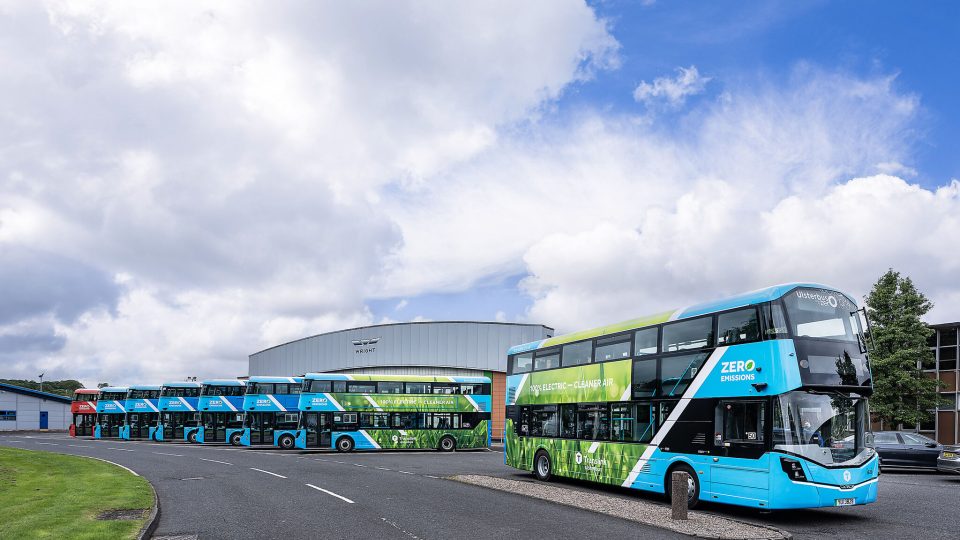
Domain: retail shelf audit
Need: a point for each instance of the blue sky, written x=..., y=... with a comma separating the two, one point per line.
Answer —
x=182, y=184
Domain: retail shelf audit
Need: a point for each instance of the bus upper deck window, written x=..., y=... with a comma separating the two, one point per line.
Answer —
x=523, y=363
x=738, y=327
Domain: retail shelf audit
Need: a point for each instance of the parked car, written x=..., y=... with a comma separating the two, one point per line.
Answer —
x=949, y=460
x=905, y=449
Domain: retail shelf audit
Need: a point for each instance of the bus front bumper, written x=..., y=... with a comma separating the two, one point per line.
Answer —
x=821, y=487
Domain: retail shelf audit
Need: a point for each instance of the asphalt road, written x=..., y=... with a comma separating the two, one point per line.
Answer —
x=225, y=492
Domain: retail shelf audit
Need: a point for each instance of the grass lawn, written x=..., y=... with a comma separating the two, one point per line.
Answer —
x=46, y=495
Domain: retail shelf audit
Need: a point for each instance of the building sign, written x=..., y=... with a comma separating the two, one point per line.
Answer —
x=363, y=346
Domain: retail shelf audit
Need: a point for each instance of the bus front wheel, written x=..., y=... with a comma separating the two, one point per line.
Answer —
x=286, y=442
x=235, y=439
x=542, y=468
x=447, y=444
x=693, y=484
x=192, y=437
x=344, y=444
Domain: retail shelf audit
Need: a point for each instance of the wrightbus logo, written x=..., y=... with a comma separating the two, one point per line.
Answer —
x=365, y=345
x=739, y=370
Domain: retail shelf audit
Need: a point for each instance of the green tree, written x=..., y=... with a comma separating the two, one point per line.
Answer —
x=63, y=388
x=902, y=394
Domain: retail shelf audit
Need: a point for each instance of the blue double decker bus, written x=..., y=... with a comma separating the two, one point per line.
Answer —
x=760, y=398
x=178, y=410
x=221, y=410
x=142, y=412
x=111, y=412
x=269, y=404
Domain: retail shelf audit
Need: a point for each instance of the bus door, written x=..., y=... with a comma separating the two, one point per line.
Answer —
x=318, y=427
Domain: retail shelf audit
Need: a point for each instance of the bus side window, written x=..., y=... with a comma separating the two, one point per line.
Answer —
x=340, y=386
x=739, y=422
x=738, y=327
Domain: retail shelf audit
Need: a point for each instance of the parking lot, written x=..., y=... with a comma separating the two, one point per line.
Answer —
x=225, y=492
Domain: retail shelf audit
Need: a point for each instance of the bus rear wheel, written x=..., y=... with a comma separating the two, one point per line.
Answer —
x=344, y=444
x=693, y=485
x=192, y=437
x=447, y=444
x=542, y=467
x=235, y=439
x=286, y=442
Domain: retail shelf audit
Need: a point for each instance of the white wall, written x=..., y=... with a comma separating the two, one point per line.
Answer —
x=28, y=412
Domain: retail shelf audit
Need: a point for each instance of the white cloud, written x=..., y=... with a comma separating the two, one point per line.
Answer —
x=671, y=91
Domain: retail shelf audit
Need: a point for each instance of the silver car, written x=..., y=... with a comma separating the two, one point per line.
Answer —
x=949, y=459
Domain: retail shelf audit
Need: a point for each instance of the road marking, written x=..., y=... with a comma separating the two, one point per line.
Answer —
x=268, y=472
x=397, y=527
x=129, y=470
x=341, y=497
x=382, y=468
x=50, y=443
x=78, y=446
x=166, y=454
x=359, y=465
x=215, y=461
x=115, y=448
x=431, y=476
x=405, y=472
x=194, y=478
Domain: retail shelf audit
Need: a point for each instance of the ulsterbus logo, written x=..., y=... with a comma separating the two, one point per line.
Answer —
x=738, y=370
x=823, y=299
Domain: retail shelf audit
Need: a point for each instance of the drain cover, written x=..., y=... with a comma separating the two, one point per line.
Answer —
x=111, y=515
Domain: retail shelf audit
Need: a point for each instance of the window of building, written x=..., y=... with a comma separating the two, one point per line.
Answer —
x=544, y=421
x=948, y=358
x=362, y=387
x=546, y=360
x=593, y=421
x=695, y=334
x=645, y=378
x=677, y=372
x=645, y=341
x=575, y=354
x=738, y=327
x=740, y=422
x=948, y=402
x=390, y=387
x=948, y=337
x=613, y=348
x=522, y=363
x=419, y=388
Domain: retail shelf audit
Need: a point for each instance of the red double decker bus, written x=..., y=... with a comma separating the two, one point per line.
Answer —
x=84, y=409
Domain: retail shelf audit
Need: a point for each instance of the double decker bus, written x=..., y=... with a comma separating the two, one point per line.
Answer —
x=270, y=403
x=84, y=410
x=760, y=398
x=178, y=410
x=142, y=412
x=111, y=412
x=221, y=409
x=369, y=412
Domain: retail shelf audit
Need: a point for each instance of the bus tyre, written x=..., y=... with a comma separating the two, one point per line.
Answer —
x=192, y=437
x=542, y=467
x=447, y=444
x=286, y=442
x=693, y=484
x=235, y=439
x=344, y=444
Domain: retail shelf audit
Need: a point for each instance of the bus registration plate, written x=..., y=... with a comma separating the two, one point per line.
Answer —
x=845, y=502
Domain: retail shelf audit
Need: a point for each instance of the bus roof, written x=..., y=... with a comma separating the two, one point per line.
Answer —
x=224, y=382
x=181, y=384
x=90, y=391
x=758, y=296
x=385, y=378
x=114, y=389
x=264, y=379
x=144, y=387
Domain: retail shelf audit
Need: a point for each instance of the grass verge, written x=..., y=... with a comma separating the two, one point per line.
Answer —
x=47, y=495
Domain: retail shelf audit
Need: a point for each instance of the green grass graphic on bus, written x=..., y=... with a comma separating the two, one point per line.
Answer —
x=609, y=463
x=436, y=403
x=423, y=438
x=609, y=381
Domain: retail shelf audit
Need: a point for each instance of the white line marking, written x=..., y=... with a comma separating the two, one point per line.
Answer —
x=382, y=468
x=341, y=497
x=129, y=470
x=49, y=443
x=78, y=446
x=359, y=465
x=194, y=478
x=268, y=472
x=166, y=454
x=431, y=476
x=115, y=448
x=215, y=461
x=405, y=472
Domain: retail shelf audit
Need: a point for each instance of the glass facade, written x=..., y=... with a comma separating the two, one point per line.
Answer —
x=943, y=366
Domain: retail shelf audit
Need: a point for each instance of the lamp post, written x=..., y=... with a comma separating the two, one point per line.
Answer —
x=41, y=382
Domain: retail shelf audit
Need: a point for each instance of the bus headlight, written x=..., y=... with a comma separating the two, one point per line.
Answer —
x=793, y=469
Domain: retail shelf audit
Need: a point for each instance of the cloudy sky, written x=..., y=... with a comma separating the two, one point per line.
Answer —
x=185, y=183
